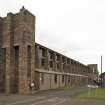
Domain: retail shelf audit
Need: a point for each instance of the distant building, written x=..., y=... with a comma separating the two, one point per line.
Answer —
x=94, y=69
x=102, y=76
x=24, y=63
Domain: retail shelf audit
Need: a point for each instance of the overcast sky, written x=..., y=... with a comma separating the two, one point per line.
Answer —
x=75, y=28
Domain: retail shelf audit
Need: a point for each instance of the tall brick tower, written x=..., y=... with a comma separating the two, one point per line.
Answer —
x=17, y=50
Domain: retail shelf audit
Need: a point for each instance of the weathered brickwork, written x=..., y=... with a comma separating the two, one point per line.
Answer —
x=22, y=61
x=18, y=34
x=1, y=72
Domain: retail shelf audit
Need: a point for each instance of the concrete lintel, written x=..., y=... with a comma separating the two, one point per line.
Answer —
x=61, y=73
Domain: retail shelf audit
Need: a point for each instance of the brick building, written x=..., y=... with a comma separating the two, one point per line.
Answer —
x=22, y=61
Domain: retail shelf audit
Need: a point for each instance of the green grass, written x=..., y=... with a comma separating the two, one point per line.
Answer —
x=91, y=94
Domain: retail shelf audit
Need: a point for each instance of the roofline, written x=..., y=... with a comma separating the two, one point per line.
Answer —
x=61, y=54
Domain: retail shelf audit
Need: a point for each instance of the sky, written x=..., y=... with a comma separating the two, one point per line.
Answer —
x=75, y=28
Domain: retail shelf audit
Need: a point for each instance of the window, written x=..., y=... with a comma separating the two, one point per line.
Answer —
x=58, y=66
x=71, y=61
x=43, y=52
x=3, y=70
x=29, y=61
x=68, y=61
x=16, y=50
x=63, y=78
x=63, y=59
x=16, y=71
x=0, y=55
x=63, y=66
x=55, y=78
x=43, y=62
x=50, y=55
x=68, y=79
x=51, y=64
x=58, y=57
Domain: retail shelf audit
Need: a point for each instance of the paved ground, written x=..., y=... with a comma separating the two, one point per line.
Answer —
x=50, y=97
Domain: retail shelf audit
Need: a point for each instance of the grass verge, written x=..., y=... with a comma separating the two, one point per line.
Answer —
x=91, y=94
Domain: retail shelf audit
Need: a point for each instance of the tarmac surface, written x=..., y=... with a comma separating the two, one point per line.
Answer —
x=49, y=97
